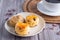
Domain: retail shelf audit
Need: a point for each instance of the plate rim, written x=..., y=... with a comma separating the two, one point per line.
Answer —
x=30, y=35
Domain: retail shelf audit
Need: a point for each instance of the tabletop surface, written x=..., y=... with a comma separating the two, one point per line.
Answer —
x=11, y=7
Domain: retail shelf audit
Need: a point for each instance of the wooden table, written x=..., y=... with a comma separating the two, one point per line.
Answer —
x=11, y=7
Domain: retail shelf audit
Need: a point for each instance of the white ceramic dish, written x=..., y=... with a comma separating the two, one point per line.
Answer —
x=42, y=9
x=55, y=7
x=33, y=31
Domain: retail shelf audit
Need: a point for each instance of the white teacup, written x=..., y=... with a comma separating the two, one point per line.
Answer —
x=55, y=7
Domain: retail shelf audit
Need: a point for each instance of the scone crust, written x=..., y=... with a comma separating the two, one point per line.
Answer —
x=21, y=30
x=32, y=20
x=14, y=19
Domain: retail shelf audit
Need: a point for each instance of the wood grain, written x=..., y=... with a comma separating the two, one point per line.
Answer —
x=27, y=38
x=4, y=35
x=46, y=34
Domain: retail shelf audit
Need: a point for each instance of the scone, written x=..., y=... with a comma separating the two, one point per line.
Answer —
x=22, y=28
x=14, y=19
x=32, y=20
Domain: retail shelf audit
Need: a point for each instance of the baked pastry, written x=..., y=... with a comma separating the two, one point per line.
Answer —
x=14, y=19
x=22, y=28
x=32, y=20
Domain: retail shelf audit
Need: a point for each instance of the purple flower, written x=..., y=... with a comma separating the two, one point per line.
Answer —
x=54, y=25
x=13, y=10
x=9, y=10
x=6, y=19
x=58, y=33
x=9, y=14
x=51, y=28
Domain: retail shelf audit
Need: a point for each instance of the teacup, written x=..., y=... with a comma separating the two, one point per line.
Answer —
x=52, y=5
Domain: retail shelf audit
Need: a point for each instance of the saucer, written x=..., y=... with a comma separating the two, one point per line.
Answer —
x=42, y=9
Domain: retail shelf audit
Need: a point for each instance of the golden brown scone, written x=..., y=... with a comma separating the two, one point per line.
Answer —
x=32, y=20
x=22, y=28
x=14, y=19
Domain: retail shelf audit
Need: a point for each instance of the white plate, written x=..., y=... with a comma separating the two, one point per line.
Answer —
x=33, y=31
x=42, y=9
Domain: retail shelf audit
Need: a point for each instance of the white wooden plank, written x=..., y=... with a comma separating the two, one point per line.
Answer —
x=6, y=35
x=46, y=32
x=41, y=36
x=1, y=30
x=19, y=4
x=50, y=32
x=1, y=1
x=7, y=5
x=27, y=38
